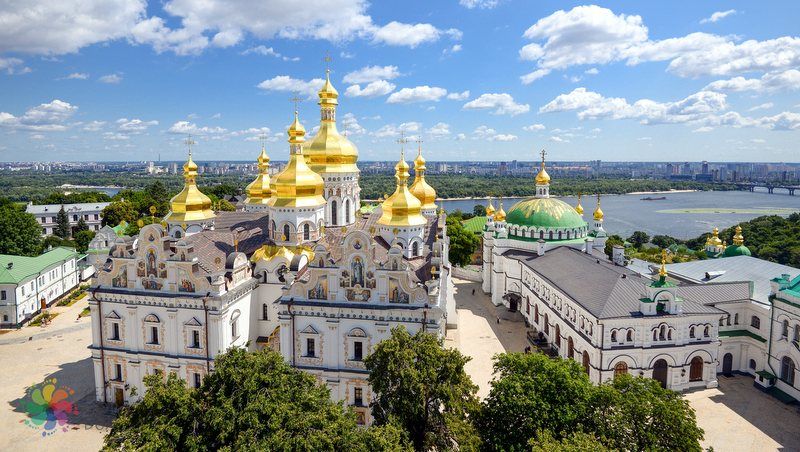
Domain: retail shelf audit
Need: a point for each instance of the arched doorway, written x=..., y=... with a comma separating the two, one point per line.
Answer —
x=660, y=369
x=727, y=364
x=570, y=348
x=334, y=213
x=620, y=368
x=586, y=363
x=513, y=302
x=696, y=369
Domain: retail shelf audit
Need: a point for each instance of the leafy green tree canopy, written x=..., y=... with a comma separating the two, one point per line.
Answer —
x=20, y=233
x=463, y=243
x=639, y=238
x=117, y=212
x=82, y=240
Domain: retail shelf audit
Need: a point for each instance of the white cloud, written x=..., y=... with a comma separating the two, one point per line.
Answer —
x=764, y=106
x=482, y=4
x=501, y=103
x=285, y=83
x=369, y=74
x=346, y=55
x=268, y=51
x=490, y=134
x=439, y=130
x=53, y=28
x=13, y=66
x=374, y=89
x=557, y=139
x=758, y=140
x=594, y=35
x=531, y=77
x=717, y=16
x=464, y=95
x=134, y=125
x=50, y=117
x=190, y=128
x=390, y=130
x=112, y=79
x=423, y=93
x=36, y=136
x=410, y=35
x=592, y=71
x=77, y=76
x=782, y=121
x=504, y=137
x=94, y=126
x=461, y=137
x=114, y=136
x=769, y=82
x=533, y=127
x=703, y=129
x=351, y=125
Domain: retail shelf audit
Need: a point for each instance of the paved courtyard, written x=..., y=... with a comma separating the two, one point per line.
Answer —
x=30, y=356
x=735, y=416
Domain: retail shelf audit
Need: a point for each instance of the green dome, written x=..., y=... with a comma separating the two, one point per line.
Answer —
x=736, y=250
x=544, y=213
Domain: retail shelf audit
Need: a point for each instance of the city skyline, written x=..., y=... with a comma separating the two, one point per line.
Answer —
x=478, y=80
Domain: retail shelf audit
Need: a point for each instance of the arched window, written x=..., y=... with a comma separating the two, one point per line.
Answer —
x=557, y=338
x=621, y=368
x=669, y=335
x=272, y=228
x=696, y=369
x=613, y=336
x=787, y=370
x=546, y=325
x=306, y=232
x=691, y=332
x=755, y=322
x=586, y=363
x=346, y=210
x=706, y=331
x=286, y=232
x=541, y=234
x=570, y=348
x=752, y=364
x=550, y=235
x=334, y=213
x=728, y=320
x=662, y=334
x=655, y=335
x=629, y=337
x=736, y=319
x=536, y=314
x=415, y=249
x=785, y=330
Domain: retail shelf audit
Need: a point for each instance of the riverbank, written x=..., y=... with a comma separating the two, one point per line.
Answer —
x=486, y=198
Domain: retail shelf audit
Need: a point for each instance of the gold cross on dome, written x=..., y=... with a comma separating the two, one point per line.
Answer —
x=296, y=100
x=327, y=59
x=263, y=139
x=189, y=142
x=419, y=142
x=543, y=154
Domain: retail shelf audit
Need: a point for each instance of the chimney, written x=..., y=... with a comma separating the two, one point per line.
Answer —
x=618, y=255
x=589, y=245
x=540, y=247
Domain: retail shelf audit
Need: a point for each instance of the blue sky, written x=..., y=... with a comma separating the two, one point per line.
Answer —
x=477, y=79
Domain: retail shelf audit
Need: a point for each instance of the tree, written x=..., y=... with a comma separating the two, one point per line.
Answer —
x=251, y=401
x=422, y=387
x=576, y=442
x=54, y=241
x=612, y=240
x=638, y=414
x=533, y=393
x=62, y=228
x=479, y=210
x=639, y=238
x=663, y=241
x=81, y=226
x=117, y=212
x=20, y=233
x=463, y=243
x=82, y=240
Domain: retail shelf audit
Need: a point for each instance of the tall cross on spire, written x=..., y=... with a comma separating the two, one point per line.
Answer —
x=263, y=139
x=296, y=101
x=543, y=154
x=402, y=140
x=419, y=144
x=327, y=59
x=189, y=142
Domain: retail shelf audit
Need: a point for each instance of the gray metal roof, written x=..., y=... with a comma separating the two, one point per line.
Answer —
x=600, y=287
x=736, y=268
x=54, y=208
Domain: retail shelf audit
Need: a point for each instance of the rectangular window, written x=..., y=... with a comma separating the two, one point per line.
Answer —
x=310, y=347
x=196, y=380
x=114, y=331
x=74, y=218
x=358, y=350
x=118, y=370
x=195, y=339
x=265, y=312
x=3, y=295
x=154, y=335
x=96, y=217
x=358, y=396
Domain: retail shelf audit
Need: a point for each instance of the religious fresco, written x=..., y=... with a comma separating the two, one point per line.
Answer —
x=358, y=294
x=121, y=280
x=186, y=285
x=140, y=269
x=344, y=281
x=320, y=290
x=150, y=263
x=151, y=284
x=357, y=267
x=396, y=293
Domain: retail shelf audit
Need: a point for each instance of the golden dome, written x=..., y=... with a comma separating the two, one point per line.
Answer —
x=579, y=207
x=598, y=212
x=259, y=192
x=542, y=178
x=714, y=240
x=738, y=238
x=420, y=188
x=490, y=208
x=328, y=151
x=190, y=204
x=402, y=208
x=500, y=215
x=297, y=185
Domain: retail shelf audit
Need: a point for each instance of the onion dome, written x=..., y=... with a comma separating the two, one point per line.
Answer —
x=328, y=151
x=714, y=240
x=542, y=178
x=579, y=207
x=420, y=188
x=738, y=248
x=500, y=215
x=544, y=213
x=190, y=204
x=259, y=191
x=490, y=209
x=598, y=212
x=297, y=185
x=402, y=208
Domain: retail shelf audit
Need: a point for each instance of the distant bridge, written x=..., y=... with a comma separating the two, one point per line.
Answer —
x=770, y=187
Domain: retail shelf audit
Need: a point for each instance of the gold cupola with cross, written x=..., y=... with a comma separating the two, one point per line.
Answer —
x=259, y=191
x=297, y=185
x=402, y=208
x=420, y=188
x=190, y=210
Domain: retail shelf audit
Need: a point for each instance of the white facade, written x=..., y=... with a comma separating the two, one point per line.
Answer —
x=47, y=215
x=343, y=197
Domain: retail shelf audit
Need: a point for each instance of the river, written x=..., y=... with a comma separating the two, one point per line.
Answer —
x=681, y=215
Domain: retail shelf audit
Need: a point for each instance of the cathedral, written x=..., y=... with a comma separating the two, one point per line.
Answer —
x=303, y=270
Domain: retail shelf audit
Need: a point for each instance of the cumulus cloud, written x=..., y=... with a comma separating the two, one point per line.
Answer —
x=500, y=103
x=533, y=127
x=50, y=117
x=115, y=136
x=772, y=81
x=439, y=130
x=13, y=66
x=268, y=51
x=285, y=83
x=94, y=126
x=369, y=74
x=594, y=35
x=351, y=125
x=482, y=4
x=373, y=89
x=764, y=106
x=490, y=134
x=111, y=79
x=504, y=137
x=77, y=76
x=190, y=128
x=391, y=130
x=464, y=95
x=410, y=35
x=134, y=125
x=717, y=16
x=422, y=93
